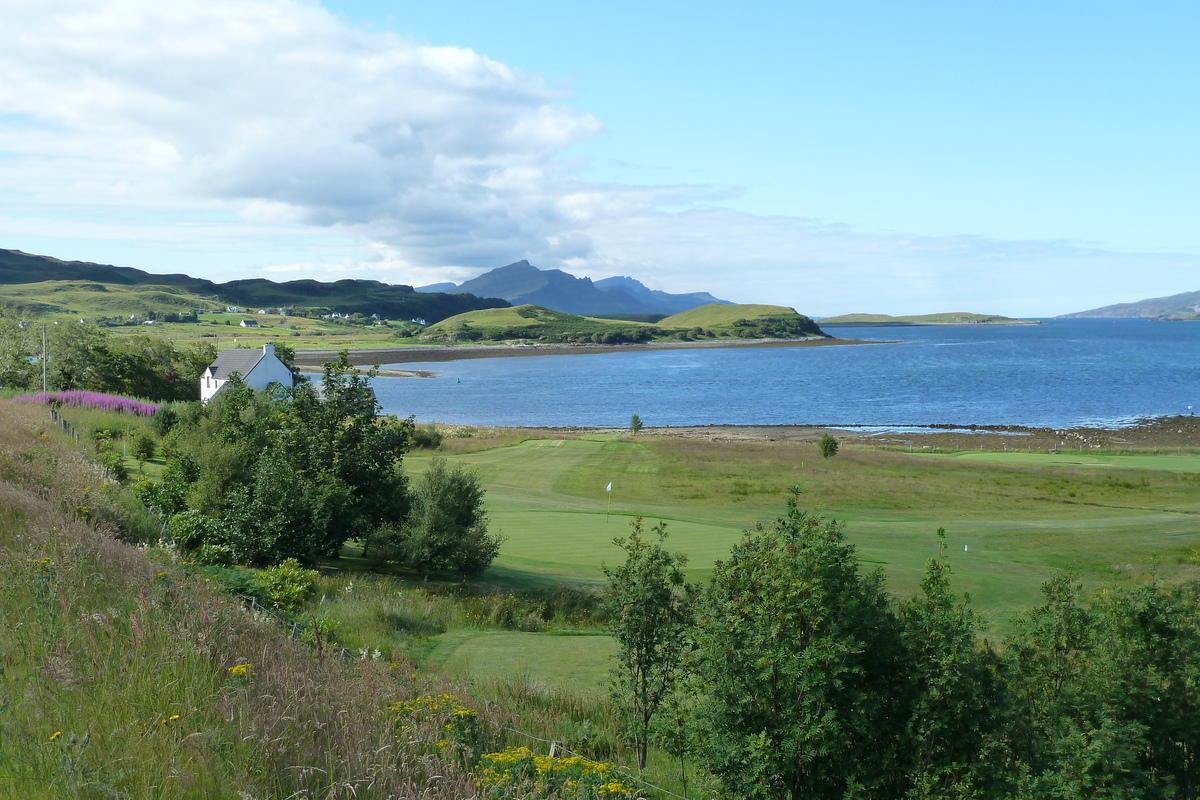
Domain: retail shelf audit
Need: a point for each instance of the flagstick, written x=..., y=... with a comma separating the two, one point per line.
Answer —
x=607, y=510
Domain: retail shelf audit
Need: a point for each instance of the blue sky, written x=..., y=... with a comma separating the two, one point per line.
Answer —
x=1019, y=158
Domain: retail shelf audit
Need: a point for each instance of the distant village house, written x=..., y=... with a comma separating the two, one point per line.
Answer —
x=258, y=370
x=248, y=323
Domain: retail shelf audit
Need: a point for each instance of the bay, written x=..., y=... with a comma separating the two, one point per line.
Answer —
x=1062, y=373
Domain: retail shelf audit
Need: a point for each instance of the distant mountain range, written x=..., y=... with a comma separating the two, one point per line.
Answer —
x=1178, y=306
x=522, y=283
x=347, y=296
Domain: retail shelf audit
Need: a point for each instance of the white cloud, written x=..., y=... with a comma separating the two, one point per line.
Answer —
x=241, y=123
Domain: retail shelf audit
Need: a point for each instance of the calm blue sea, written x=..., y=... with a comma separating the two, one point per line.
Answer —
x=1062, y=373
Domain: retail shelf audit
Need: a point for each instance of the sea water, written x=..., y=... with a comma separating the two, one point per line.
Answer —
x=1062, y=373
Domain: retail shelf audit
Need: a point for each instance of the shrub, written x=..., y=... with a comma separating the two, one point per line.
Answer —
x=828, y=446
x=427, y=437
x=144, y=446
x=163, y=420
x=288, y=585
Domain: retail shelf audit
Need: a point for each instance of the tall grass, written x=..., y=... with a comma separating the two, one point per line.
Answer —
x=384, y=613
x=117, y=666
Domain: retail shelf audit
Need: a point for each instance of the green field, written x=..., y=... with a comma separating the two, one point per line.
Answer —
x=1012, y=520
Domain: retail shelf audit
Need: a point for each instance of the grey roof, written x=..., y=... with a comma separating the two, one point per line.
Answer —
x=233, y=360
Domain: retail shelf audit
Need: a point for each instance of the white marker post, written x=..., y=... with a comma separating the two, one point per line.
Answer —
x=608, y=491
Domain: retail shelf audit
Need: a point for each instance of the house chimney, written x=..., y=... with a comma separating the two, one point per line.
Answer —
x=268, y=349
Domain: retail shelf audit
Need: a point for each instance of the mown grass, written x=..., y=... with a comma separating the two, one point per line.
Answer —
x=1011, y=524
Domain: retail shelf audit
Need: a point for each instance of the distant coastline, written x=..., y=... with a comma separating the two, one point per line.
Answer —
x=954, y=318
x=310, y=360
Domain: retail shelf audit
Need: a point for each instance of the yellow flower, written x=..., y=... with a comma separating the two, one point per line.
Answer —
x=55, y=735
x=242, y=671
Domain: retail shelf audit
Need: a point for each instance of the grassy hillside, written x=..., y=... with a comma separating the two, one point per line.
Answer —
x=708, y=322
x=744, y=320
x=345, y=296
x=950, y=318
x=126, y=674
x=534, y=323
x=91, y=300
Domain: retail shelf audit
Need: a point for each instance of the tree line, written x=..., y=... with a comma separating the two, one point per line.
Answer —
x=795, y=675
x=85, y=356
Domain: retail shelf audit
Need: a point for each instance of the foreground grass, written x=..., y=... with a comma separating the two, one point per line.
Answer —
x=120, y=670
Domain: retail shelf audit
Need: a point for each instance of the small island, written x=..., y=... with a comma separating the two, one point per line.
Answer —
x=951, y=318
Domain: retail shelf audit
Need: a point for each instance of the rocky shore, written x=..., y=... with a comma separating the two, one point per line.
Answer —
x=1151, y=434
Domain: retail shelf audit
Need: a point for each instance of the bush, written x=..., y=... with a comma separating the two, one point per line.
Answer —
x=828, y=446
x=427, y=437
x=288, y=585
x=163, y=420
x=144, y=446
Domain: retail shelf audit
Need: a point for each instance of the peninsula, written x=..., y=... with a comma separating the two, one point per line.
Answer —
x=952, y=318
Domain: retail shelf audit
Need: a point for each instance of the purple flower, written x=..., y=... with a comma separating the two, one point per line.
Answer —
x=106, y=402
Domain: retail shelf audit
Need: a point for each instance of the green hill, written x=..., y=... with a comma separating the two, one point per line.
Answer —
x=90, y=299
x=391, y=301
x=534, y=323
x=746, y=321
x=951, y=318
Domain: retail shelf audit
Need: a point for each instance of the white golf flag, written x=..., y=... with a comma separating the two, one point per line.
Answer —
x=609, y=489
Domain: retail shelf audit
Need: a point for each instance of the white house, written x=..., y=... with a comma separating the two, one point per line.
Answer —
x=248, y=323
x=258, y=370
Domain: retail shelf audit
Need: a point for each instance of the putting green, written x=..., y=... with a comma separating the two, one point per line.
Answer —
x=573, y=545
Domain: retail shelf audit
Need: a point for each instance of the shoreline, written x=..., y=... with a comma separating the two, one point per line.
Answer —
x=1159, y=432
x=310, y=360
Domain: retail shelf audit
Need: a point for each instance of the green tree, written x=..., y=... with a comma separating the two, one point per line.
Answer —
x=294, y=474
x=802, y=664
x=78, y=356
x=18, y=348
x=650, y=611
x=956, y=713
x=635, y=423
x=828, y=446
x=1069, y=736
x=144, y=446
x=446, y=529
